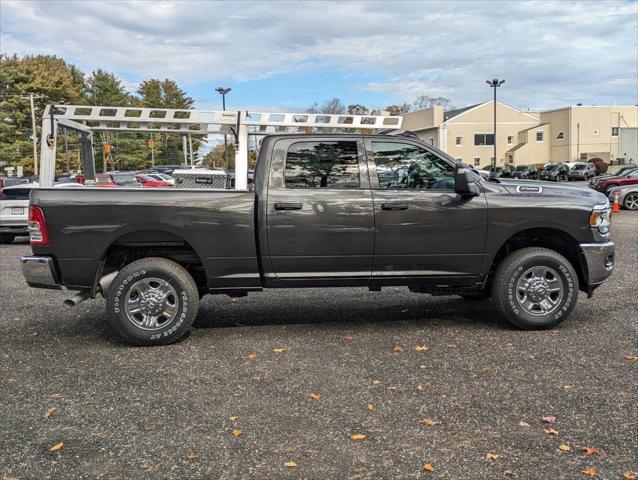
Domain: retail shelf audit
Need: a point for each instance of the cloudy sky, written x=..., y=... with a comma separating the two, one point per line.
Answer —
x=285, y=55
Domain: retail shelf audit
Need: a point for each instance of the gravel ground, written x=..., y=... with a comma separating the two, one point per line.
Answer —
x=170, y=412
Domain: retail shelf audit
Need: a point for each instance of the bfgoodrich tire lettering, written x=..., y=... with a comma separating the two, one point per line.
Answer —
x=554, y=270
x=148, y=281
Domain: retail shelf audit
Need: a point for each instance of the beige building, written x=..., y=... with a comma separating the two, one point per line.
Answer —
x=563, y=135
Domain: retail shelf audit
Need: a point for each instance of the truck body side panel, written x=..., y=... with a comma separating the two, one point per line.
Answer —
x=84, y=222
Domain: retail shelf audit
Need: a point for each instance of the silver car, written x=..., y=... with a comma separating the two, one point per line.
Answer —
x=582, y=171
x=627, y=196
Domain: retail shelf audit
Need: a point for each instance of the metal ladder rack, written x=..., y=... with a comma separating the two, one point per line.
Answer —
x=86, y=119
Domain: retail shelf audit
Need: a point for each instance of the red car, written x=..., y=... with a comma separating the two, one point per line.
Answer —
x=629, y=177
x=104, y=180
x=147, y=181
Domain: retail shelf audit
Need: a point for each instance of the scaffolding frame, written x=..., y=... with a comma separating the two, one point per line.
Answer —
x=87, y=119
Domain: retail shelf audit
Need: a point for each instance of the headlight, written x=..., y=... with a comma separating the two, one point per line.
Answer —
x=600, y=218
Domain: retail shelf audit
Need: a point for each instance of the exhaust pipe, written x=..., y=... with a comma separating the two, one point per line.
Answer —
x=106, y=281
x=77, y=298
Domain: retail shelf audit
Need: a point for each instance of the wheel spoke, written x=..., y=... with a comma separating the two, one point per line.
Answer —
x=149, y=321
x=150, y=299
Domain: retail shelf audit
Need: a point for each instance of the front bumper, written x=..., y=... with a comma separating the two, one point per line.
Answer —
x=40, y=272
x=599, y=260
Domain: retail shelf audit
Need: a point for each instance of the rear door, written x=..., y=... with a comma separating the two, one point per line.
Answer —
x=422, y=228
x=319, y=209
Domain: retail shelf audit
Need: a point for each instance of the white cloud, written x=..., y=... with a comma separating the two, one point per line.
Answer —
x=551, y=53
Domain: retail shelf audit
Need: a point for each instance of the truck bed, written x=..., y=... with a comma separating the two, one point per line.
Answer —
x=83, y=223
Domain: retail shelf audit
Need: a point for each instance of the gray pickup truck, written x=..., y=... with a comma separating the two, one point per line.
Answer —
x=324, y=211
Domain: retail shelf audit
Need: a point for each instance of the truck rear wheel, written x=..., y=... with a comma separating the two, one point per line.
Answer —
x=152, y=301
x=535, y=288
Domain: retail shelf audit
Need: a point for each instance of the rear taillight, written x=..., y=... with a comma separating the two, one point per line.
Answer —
x=37, y=226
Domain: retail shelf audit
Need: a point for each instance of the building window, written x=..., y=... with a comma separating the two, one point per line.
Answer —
x=510, y=158
x=483, y=139
x=477, y=162
x=510, y=139
x=614, y=132
x=322, y=165
x=459, y=141
x=560, y=136
x=539, y=136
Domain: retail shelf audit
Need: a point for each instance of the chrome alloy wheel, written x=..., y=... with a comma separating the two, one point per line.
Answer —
x=151, y=303
x=631, y=201
x=539, y=290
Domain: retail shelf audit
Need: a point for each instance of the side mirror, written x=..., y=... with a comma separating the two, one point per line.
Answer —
x=464, y=184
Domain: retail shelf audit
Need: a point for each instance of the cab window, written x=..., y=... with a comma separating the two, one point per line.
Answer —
x=405, y=166
x=322, y=165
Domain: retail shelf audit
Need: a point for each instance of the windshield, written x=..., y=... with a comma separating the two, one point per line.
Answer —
x=124, y=178
x=551, y=167
x=521, y=168
x=579, y=167
x=628, y=172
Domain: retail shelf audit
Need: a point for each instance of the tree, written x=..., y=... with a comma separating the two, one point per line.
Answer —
x=51, y=80
x=398, y=109
x=425, y=101
x=357, y=109
x=103, y=88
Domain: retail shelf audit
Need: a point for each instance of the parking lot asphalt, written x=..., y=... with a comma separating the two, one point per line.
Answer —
x=438, y=381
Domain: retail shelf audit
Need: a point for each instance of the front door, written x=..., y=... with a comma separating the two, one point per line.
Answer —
x=319, y=209
x=422, y=228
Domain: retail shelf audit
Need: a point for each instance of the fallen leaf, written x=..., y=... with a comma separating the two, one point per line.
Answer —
x=56, y=447
x=524, y=424
x=451, y=345
x=423, y=366
x=590, y=471
x=568, y=387
x=491, y=456
x=398, y=349
x=428, y=467
x=392, y=387
x=279, y=350
x=233, y=419
x=370, y=407
x=549, y=419
x=550, y=431
x=314, y=396
x=192, y=457
x=589, y=450
x=509, y=344
x=631, y=357
x=508, y=473
x=486, y=369
x=348, y=338
x=564, y=448
x=252, y=356
x=428, y=422
x=376, y=382
x=629, y=476
x=358, y=436
x=421, y=348
x=49, y=412
x=419, y=387
x=290, y=464
x=236, y=432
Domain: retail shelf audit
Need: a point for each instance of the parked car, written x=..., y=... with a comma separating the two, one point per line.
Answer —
x=9, y=181
x=104, y=180
x=619, y=173
x=324, y=214
x=554, y=172
x=124, y=179
x=14, y=208
x=167, y=169
x=147, y=181
x=629, y=177
x=582, y=171
x=627, y=196
x=504, y=171
x=162, y=177
x=526, y=171
x=69, y=178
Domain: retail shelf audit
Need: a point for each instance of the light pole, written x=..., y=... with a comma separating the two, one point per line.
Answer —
x=495, y=83
x=223, y=91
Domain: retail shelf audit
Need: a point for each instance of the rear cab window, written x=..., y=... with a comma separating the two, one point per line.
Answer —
x=322, y=164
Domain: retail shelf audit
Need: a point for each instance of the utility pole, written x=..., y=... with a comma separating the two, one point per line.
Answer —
x=494, y=84
x=223, y=91
x=66, y=153
x=34, y=136
x=190, y=149
x=185, y=148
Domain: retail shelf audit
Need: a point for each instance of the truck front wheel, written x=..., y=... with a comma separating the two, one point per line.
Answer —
x=152, y=301
x=535, y=288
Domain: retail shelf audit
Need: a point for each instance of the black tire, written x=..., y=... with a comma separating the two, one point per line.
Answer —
x=183, y=300
x=505, y=293
x=7, y=237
